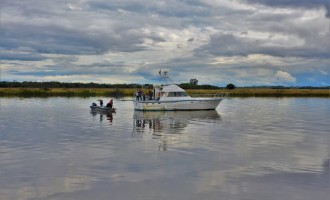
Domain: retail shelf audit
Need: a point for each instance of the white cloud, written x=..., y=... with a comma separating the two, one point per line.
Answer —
x=323, y=72
x=282, y=76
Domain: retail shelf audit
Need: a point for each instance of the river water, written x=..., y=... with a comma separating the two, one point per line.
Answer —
x=249, y=148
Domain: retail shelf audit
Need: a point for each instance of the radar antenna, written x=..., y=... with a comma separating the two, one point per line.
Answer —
x=164, y=75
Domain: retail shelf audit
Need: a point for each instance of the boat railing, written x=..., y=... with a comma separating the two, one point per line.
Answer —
x=217, y=95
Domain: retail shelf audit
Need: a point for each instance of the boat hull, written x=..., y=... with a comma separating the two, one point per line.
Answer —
x=102, y=109
x=189, y=104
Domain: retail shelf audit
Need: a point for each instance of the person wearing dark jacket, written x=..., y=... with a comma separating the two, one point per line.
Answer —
x=110, y=104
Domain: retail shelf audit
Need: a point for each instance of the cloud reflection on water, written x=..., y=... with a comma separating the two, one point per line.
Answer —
x=280, y=150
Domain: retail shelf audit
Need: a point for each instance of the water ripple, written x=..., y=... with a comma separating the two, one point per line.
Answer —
x=55, y=148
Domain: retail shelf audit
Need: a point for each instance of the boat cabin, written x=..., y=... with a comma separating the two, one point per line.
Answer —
x=172, y=92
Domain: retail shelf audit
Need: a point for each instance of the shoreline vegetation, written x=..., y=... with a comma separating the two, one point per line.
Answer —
x=129, y=92
x=60, y=89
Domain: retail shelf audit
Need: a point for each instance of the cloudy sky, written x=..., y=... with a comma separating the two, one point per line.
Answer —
x=246, y=42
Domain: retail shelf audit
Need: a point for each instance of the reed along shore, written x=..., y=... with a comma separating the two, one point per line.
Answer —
x=129, y=92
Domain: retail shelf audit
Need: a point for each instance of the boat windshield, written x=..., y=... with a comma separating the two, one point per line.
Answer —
x=177, y=94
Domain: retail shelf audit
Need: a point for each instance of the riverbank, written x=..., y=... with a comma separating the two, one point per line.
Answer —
x=127, y=92
x=266, y=92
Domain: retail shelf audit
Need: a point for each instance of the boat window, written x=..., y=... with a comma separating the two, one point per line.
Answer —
x=171, y=94
x=177, y=94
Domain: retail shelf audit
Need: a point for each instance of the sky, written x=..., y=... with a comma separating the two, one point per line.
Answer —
x=244, y=42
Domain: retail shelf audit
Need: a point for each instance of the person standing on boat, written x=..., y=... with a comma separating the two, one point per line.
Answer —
x=110, y=104
x=151, y=94
x=137, y=94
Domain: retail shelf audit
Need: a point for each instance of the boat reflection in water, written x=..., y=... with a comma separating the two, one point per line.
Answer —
x=108, y=115
x=169, y=126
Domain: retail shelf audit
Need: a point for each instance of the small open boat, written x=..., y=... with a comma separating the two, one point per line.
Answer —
x=102, y=109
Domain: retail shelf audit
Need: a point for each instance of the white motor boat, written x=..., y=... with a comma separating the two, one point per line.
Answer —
x=172, y=97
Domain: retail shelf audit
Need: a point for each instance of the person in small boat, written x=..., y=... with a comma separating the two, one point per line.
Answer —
x=101, y=102
x=94, y=104
x=110, y=104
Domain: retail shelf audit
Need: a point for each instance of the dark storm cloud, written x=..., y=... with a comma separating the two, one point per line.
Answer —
x=172, y=8
x=294, y=3
x=231, y=45
x=190, y=40
x=70, y=69
x=53, y=29
x=21, y=56
x=60, y=40
x=114, y=6
x=35, y=73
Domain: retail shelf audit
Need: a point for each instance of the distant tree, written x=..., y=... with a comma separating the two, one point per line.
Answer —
x=190, y=86
x=187, y=86
x=193, y=81
x=230, y=86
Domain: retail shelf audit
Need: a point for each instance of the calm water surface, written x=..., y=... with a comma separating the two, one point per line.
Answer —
x=251, y=149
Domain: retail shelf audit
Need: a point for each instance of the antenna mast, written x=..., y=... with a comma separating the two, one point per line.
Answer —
x=164, y=75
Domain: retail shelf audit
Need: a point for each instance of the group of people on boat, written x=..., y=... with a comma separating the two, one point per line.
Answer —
x=109, y=104
x=141, y=96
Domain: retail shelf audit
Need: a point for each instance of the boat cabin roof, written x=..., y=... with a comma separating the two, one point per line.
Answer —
x=172, y=88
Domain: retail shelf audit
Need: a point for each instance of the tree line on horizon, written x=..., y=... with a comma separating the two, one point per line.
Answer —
x=56, y=84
